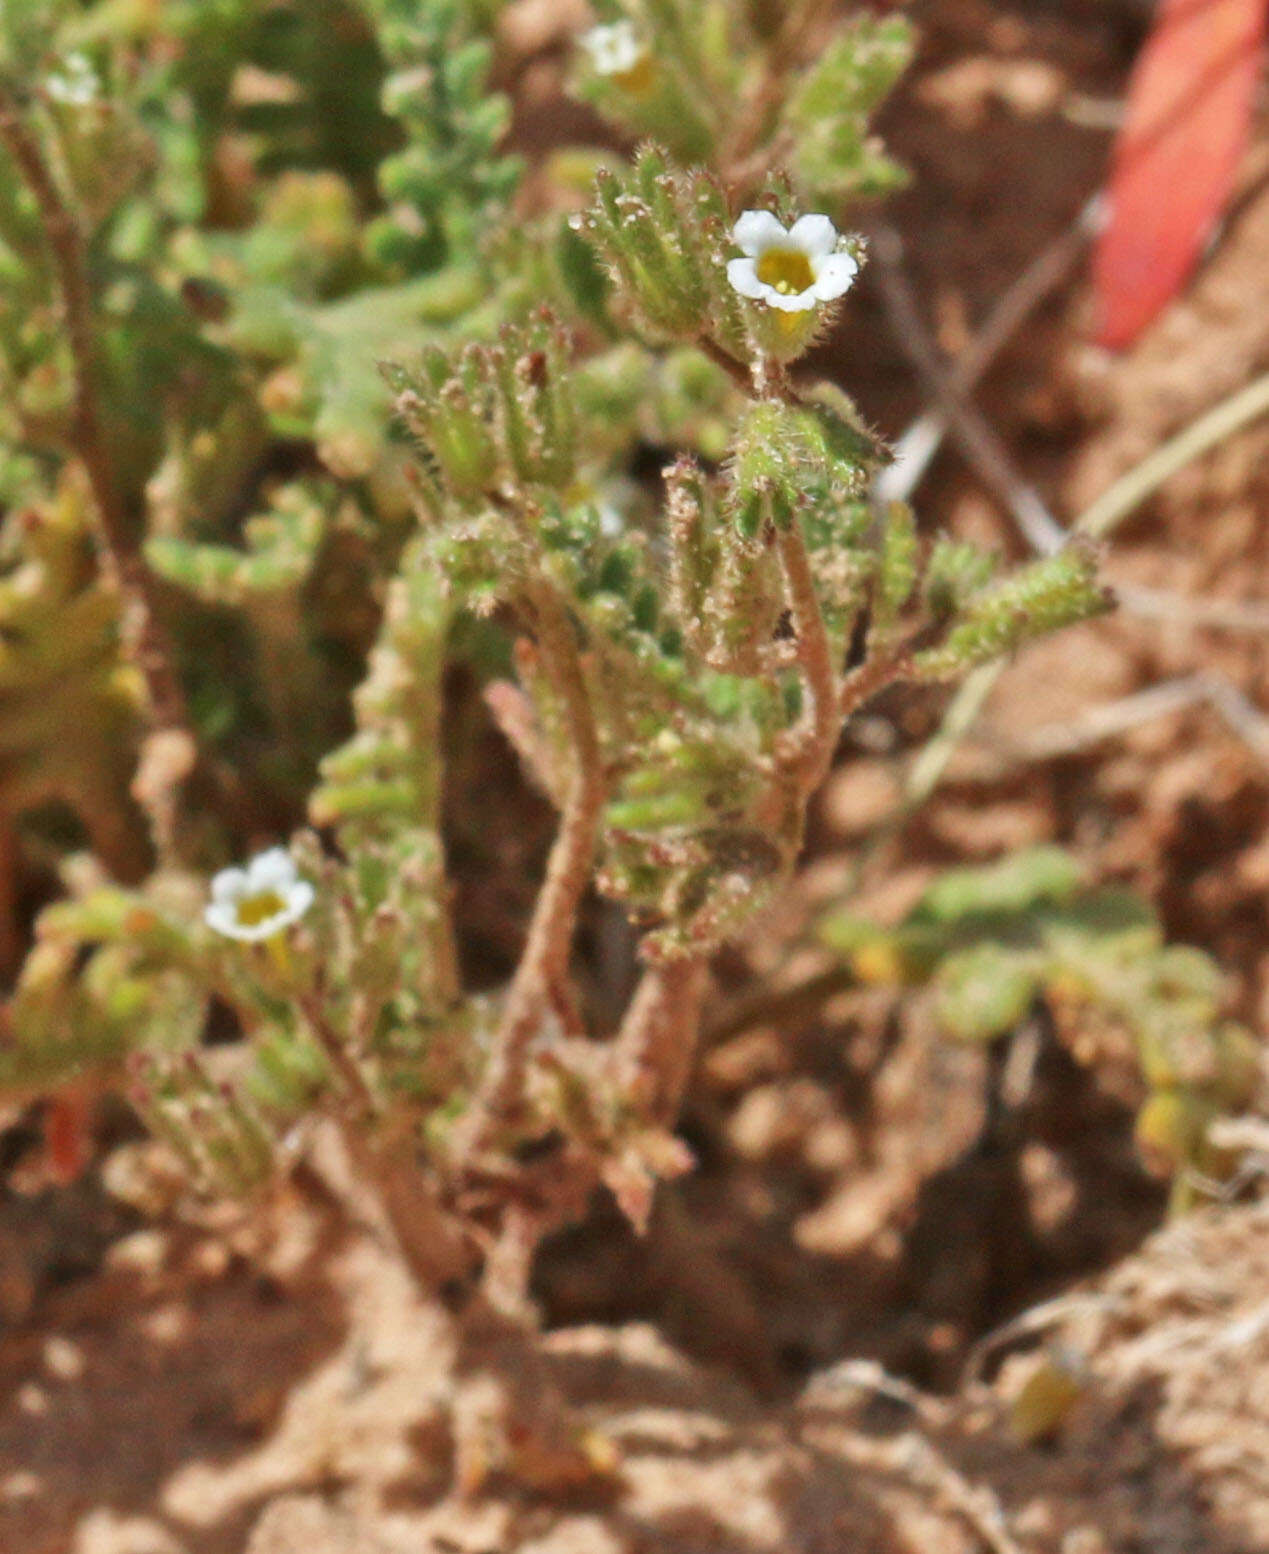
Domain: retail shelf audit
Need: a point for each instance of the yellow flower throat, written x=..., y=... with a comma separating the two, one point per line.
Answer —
x=786, y=270
x=640, y=78
x=251, y=911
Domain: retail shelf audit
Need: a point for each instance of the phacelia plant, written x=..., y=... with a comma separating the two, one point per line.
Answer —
x=322, y=406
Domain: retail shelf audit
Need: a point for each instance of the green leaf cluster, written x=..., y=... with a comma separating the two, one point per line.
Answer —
x=989, y=943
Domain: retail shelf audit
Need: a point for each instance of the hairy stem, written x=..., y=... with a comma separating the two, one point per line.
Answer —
x=509, y=1415
x=747, y=158
x=737, y=371
x=809, y=749
x=874, y=675
x=656, y=1045
x=432, y=1241
x=541, y=979
x=337, y=1054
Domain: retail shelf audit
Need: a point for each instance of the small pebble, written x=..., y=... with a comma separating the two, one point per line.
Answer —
x=32, y=1400
x=143, y=1253
x=63, y=1359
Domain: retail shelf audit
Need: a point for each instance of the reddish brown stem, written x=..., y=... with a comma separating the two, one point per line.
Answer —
x=862, y=684
x=431, y=1239
x=337, y=1054
x=541, y=979
x=809, y=748
x=745, y=159
x=735, y=370
x=656, y=1045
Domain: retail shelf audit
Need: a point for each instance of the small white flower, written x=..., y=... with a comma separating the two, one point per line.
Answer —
x=790, y=270
x=614, y=501
x=617, y=51
x=76, y=85
x=259, y=901
x=612, y=521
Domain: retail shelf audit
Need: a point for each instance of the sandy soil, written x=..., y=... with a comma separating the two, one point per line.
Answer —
x=275, y=1385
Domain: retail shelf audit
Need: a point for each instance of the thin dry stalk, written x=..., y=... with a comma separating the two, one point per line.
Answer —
x=1180, y=610
x=987, y=455
x=915, y=450
x=977, y=1503
x=1211, y=429
x=1045, y=534
x=977, y=440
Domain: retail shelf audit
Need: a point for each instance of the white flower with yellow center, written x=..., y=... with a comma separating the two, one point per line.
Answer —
x=791, y=270
x=76, y=84
x=260, y=901
x=619, y=52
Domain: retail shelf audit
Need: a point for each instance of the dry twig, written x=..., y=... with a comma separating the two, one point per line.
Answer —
x=1157, y=701
x=1043, y=532
x=917, y=1459
x=987, y=454
x=915, y=450
x=980, y=444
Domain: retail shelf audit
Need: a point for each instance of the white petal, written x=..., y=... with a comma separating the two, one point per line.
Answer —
x=816, y=236
x=224, y=919
x=613, y=49
x=834, y=276
x=744, y=278
x=756, y=231
x=257, y=932
x=299, y=899
x=597, y=42
x=626, y=54
x=800, y=302
x=272, y=870
x=229, y=885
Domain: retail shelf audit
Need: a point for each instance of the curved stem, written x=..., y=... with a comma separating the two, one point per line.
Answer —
x=542, y=976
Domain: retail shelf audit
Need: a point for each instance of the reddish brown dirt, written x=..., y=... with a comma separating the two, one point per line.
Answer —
x=276, y=1386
